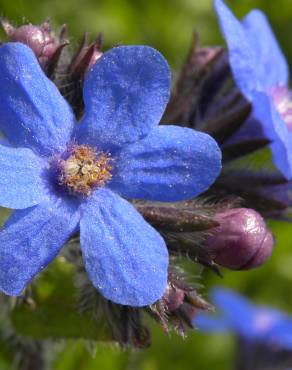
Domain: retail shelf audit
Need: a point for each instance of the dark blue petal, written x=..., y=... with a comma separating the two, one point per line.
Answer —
x=282, y=193
x=21, y=182
x=125, y=95
x=170, y=164
x=32, y=111
x=31, y=239
x=126, y=259
x=4, y=141
x=275, y=130
x=272, y=67
x=250, y=130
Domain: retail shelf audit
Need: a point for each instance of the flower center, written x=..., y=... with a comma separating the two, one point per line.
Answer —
x=84, y=170
x=282, y=98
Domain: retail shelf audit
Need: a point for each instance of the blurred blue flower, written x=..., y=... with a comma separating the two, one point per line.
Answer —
x=261, y=73
x=248, y=321
x=61, y=176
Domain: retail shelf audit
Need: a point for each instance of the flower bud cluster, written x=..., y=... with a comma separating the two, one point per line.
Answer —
x=241, y=241
x=179, y=304
x=41, y=39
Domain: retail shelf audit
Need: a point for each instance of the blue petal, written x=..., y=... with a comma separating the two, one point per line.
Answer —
x=22, y=181
x=31, y=239
x=264, y=321
x=230, y=303
x=211, y=323
x=126, y=259
x=272, y=67
x=125, y=95
x=170, y=164
x=235, y=309
x=32, y=111
x=4, y=141
x=275, y=130
x=242, y=55
x=243, y=318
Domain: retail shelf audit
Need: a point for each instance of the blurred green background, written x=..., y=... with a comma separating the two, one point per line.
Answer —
x=168, y=25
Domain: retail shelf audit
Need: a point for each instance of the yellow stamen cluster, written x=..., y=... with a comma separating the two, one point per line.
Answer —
x=84, y=170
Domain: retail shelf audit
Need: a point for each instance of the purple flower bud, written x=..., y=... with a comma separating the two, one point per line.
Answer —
x=40, y=39
x=242, y=241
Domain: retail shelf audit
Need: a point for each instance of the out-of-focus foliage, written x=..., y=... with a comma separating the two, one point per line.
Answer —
x=167, y=25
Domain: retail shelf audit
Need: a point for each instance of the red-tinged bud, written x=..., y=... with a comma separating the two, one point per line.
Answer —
x=242, y=241
x=83, y=60
x=40, y=39
x=86, y=56
x=178, y=305
x=96, y=54
x=173, y=297
x=189, y=312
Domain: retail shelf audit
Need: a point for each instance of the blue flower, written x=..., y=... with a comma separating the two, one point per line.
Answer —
x=261, y=73
x=248, y=321
x=62, y=177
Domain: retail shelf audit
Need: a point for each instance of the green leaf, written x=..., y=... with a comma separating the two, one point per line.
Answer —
x=53, y=311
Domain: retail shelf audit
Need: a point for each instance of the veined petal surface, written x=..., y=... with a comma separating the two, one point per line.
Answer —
x=22, y=181
x=31, y=239
x=125, y=258
x=242, y=56
x=125, y=95
x=272, y=68
x=33, y=113
x=275, y=130
x=172, y=163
